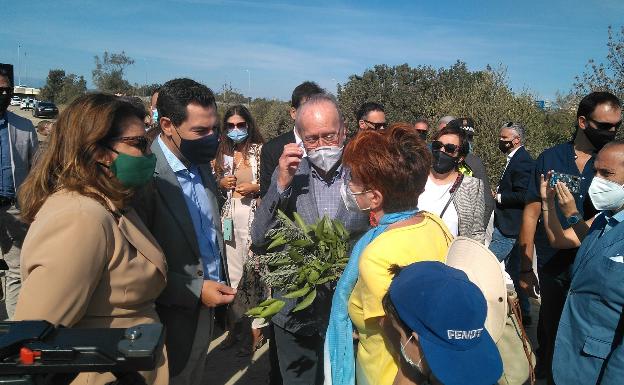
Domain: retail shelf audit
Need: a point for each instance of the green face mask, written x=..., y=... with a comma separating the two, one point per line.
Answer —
x=133, y=171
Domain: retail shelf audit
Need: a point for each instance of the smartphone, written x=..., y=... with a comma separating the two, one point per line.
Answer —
x=572, y=182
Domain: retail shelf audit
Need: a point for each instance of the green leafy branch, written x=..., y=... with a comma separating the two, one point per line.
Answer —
x=308, y=256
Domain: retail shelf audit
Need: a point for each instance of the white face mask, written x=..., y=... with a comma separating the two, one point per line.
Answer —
x=325, y=157
x=349, y=199
x=606, y=195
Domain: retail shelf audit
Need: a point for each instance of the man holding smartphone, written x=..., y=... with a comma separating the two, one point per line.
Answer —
x=598, y=117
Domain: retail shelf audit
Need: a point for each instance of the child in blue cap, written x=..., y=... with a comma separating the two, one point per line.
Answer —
x=436, y=322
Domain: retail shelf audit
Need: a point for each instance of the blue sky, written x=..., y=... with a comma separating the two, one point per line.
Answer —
x=543, y=44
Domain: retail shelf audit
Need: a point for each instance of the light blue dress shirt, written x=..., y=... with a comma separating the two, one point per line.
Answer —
x=196, y=200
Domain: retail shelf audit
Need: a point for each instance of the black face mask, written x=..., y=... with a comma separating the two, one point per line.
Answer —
x=199, y=151
x=443, y=162
x=5, y=100
x=505, y=145
x=598, y=138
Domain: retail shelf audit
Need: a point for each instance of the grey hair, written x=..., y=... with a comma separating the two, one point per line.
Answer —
x=445, y=120
x=518, y=128
x=315, y=100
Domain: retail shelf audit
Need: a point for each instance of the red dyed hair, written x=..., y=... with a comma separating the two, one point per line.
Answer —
x=394, y=161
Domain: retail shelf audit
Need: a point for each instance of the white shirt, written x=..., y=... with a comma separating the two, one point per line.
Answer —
x=299, y=142
x=509, y=156
x=433, y=200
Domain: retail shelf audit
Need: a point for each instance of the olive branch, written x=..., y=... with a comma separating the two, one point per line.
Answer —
x=310, y=255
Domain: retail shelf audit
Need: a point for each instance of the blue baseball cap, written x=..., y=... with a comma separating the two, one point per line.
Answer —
x=448, y=313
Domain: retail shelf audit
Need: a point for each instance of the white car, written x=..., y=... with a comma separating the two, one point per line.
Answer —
x=16, y=101
x=27, y=103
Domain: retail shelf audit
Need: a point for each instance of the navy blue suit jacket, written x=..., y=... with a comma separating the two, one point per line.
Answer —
x=513, y=188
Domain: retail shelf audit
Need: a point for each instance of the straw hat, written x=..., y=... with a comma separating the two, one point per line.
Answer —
x=484, y=270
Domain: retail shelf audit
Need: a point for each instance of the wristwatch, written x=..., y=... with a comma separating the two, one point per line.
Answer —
x=573, y=219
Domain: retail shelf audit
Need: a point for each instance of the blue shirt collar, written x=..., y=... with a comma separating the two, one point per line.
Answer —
x=619, y=217
x=173, y=161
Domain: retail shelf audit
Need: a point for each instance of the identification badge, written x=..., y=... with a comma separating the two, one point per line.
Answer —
x=228, y=229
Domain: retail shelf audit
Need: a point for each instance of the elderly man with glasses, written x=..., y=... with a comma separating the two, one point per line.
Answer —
x=311, y=187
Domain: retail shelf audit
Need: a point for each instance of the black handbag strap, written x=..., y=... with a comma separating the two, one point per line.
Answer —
x=453, y=191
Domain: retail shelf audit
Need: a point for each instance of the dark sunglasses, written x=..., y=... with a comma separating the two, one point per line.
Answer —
x=140, y=142
x=377, y=126
x=236, y=125
x=449, y=148
x=605, y=125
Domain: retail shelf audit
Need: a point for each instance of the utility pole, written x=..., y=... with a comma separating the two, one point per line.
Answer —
x=19, y=73
x=249, y=87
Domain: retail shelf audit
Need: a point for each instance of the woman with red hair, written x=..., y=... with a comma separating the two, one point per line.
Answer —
x=388, y=172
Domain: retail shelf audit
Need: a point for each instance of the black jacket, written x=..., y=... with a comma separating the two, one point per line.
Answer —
x=512, y=188
x=269, y=158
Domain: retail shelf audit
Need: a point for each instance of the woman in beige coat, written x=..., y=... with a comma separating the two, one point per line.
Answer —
x=88, y=261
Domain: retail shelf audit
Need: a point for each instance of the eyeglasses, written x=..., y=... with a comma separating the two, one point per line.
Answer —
x=140, y=142
x=449, y=148
x=231, y=126
x=316, y=140
x=377, y=126
x=605, y=125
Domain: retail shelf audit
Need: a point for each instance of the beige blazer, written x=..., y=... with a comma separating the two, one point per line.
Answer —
x=82, y=267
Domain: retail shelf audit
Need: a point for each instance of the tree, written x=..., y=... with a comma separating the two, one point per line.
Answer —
x=145, y=89
x=607, y=75
x=272, y=117
x=230, y=96
x=73, y=87
x=54, y=83
x=108, y=75
x=409, y=93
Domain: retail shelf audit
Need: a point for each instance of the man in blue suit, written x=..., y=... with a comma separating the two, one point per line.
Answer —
x=510, y=198
x=588, y=347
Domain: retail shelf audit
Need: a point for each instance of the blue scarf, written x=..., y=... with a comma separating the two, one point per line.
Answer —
x=339, y=339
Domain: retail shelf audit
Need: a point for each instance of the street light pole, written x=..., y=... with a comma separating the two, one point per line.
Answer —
x=249, y=86
x=19, y=73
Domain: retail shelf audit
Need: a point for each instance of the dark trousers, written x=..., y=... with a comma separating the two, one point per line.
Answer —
x=300, y=357
x=275, y=376
x=553, y=292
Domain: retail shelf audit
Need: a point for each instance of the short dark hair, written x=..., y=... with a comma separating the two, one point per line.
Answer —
x=175, y=95
x=422, y=120
x=6, y=70
x=366, y=108
x=137, y=103
x=588, y=104
x=464, y=146
x=303, y=92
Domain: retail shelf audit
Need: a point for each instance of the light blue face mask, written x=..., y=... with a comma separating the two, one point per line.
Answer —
x=155, y=115
x=238, y=135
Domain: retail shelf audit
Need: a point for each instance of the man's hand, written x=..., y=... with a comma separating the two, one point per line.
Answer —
x=215, y=293
x=246, y=189
x=566, y=200
x=546, y=192
x=529, y=284
x=288, y=165
x=227, y=182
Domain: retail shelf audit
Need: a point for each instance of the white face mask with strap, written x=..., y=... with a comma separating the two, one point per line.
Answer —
x=606, y=195
x=325, y=157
